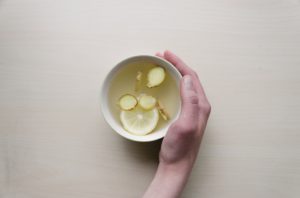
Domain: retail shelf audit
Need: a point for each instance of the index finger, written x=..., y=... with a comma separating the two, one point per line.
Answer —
x=185, y=70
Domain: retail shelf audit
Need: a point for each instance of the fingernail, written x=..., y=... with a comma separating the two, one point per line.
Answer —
x=187, y=80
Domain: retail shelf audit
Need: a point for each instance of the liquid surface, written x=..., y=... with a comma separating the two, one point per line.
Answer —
x=124, y=83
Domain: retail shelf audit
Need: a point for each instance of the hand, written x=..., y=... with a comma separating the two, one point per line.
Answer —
x=181, y=144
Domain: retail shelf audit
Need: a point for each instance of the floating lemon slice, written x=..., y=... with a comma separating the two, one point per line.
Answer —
x=139, y=121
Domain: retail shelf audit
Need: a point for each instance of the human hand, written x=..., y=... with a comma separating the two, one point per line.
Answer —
x=180, y=146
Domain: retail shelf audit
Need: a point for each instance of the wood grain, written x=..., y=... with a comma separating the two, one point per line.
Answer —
x=54, y=56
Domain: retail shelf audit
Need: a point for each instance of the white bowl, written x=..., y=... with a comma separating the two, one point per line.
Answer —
x=113, y=122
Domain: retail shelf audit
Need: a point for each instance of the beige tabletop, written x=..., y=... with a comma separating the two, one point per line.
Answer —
x=54, y=56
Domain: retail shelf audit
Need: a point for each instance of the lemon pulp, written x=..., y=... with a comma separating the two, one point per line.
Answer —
x=139, y=121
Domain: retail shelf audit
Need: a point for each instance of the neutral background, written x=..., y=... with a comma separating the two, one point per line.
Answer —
x=54, y=56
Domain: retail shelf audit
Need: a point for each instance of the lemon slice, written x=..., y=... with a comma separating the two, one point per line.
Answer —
x=139, y=121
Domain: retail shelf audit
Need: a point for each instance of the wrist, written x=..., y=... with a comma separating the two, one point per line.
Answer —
x=169, y=180
x=177, y=171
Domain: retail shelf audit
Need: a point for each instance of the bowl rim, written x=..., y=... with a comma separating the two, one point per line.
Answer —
x=104, y=99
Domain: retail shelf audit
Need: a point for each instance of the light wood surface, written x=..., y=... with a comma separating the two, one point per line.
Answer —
x=54, y=56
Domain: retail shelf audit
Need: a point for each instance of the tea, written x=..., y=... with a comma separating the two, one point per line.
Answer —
x=132, y=79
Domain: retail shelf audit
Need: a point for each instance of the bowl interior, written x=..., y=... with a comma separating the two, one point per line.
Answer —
x=121, y=80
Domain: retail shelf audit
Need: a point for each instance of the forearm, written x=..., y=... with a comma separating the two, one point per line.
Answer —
x=168, y=181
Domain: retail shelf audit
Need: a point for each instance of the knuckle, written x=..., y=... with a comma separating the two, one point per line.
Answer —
x=205, y=108
x=193, y=98
x=195, y=74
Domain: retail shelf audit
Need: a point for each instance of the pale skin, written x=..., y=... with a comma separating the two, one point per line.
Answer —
x=180, y=146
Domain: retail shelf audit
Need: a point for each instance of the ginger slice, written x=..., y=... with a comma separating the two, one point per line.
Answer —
x=162, y=111
x=156, y=76
x=138, y=81
x=127, y=102
x=147, y=102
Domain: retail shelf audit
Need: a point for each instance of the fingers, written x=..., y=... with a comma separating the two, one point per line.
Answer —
x=189, y=102
x=178, y=63
x=185, y=70
x=195, y=106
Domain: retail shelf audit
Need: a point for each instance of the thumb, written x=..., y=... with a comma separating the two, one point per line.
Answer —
x=189, y=102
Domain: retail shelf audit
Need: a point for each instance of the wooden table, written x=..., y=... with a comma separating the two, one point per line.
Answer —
x=54, y=56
